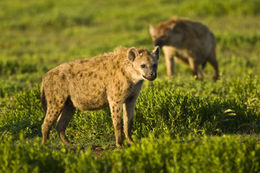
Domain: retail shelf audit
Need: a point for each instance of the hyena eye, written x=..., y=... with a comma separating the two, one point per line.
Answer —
x=143, y=66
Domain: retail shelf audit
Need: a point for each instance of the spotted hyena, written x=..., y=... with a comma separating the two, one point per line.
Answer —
x=187, y=42
x=112, y=79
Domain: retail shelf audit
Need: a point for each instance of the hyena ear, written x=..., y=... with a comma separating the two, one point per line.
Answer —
x=151, y=29
x=156, y=51
x=132, y=53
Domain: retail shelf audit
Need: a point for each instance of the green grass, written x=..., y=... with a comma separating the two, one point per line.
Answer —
x=151, y=154
x=180, y=124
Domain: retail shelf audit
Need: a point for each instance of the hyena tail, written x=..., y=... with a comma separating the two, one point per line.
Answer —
x=43, y=100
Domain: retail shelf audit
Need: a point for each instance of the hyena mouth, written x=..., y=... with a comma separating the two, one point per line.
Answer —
x=150, y=78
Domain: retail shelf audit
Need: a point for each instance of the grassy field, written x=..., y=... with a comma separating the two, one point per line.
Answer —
x=180, y=124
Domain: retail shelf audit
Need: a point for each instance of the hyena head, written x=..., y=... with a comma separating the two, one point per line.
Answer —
x=169, y=33
x=144, y=62
x=160, y=35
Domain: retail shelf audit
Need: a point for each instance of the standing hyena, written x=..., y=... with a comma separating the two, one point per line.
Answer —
x=186, y=42
x=113, y=79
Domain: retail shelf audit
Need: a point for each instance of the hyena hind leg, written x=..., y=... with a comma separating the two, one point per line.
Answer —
x=54, y=108
x=51, y=116
x=195, y=69
x=214, y=63
x=64, y=119
x=203, y=65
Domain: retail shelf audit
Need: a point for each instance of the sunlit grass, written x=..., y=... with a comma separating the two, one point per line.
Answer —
x=180, y=124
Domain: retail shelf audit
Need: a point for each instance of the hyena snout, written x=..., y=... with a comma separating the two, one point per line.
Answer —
x=161, y=41
x=151, y=75
x=158, y=42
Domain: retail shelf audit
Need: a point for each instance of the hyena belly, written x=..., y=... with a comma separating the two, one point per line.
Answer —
x=88, y=94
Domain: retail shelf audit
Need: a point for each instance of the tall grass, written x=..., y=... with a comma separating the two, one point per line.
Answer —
x=214, y=154
x=162, y=108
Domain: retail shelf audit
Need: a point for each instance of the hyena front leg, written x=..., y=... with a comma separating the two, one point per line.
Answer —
x=128, y=114
x=116, y=109
x=169, y=65
x=169, y=59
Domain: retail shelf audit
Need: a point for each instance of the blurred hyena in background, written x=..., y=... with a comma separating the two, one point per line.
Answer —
x=186, y=42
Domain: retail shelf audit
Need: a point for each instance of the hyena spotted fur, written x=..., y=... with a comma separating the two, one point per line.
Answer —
x=112, y=79
x=187, y=42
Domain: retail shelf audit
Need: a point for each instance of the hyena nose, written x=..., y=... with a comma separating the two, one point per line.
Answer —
x=152, y=73
x=158, y=43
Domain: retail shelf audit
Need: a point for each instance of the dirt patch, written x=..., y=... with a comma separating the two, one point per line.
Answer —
x=99, y=150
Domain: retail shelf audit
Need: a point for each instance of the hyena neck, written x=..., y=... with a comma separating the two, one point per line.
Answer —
x=133, y=75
